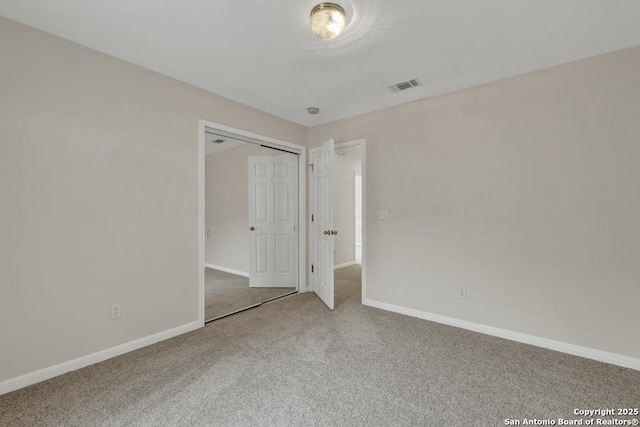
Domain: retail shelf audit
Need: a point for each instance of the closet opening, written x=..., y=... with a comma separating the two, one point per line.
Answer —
x=251, y=220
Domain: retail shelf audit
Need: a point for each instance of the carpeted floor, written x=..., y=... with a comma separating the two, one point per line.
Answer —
x=295, y=363
x=226, y=293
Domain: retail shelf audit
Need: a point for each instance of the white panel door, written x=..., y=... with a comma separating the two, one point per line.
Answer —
x=322, y=222
x=273, y=221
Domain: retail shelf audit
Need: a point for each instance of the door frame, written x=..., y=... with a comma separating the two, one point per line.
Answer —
x=298, y=149
x=348, y=144
x=361, y=143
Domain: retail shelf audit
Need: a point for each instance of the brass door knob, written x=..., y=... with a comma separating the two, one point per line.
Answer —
x=252, y=228
x=334, y=232
x=327, y=232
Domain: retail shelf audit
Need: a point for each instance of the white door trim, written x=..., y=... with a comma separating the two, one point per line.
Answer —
x=361, y=143
x=302, y=197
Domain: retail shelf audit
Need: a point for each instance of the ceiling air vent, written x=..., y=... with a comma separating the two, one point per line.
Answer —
x=408, y=84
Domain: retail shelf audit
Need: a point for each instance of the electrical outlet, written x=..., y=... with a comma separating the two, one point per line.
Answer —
x=116, y=310
x=383, y=215
x=462, y=293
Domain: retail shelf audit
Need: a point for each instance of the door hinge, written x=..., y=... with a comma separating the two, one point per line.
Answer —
x=312, y=268
x=312, y=217
x=311, y=164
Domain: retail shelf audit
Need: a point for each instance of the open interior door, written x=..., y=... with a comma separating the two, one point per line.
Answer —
x=322, y=222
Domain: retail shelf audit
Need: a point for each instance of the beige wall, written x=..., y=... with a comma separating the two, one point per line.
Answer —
x=344, y=204
x=99, y=199
x=524, y=191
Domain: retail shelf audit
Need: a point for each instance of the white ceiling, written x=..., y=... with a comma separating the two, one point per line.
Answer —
x=262, y=53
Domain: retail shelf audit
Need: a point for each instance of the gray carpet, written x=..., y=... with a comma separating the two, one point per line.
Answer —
x=226, y=293
x=295, y=363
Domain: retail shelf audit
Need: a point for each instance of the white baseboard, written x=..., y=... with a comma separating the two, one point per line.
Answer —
x=576, y=350
x=90, y=359
x=227, y=270
x=346, y=264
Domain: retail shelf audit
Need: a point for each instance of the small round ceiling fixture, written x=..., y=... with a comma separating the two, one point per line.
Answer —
x=313, y=110
x=328, y=20
x=340, y=153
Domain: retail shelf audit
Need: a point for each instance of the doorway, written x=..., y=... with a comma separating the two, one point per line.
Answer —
x=348, y=213
x=334, y=172
x=252, y=235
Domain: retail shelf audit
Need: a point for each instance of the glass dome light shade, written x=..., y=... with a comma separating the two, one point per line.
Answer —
x=328, y=21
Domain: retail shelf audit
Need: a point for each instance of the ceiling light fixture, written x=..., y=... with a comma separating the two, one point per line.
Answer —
x=313, y=110
x=328, y=20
